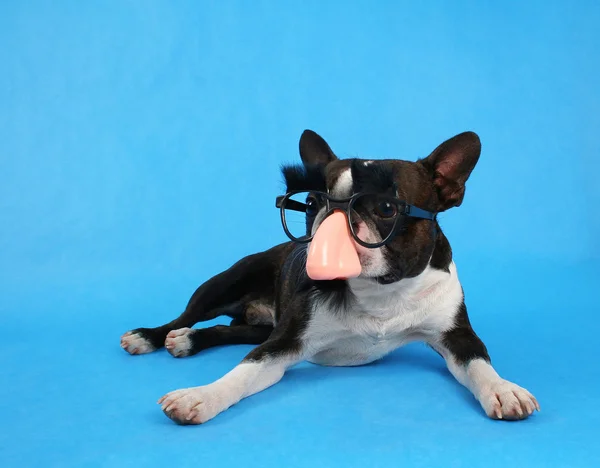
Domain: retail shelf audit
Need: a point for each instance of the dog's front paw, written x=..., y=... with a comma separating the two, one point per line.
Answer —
x=192, y=405
x=134, y=342
x=178, y=342
x=506, y=400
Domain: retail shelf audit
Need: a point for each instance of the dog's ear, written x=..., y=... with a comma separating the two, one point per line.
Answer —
x=450, y=166
x=314, y=150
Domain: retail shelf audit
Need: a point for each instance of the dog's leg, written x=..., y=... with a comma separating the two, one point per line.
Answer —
x=263, y=367
x=468, y=360
x=255, y=276
x=190, y=341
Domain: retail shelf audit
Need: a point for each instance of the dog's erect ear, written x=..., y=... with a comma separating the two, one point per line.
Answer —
x=314, y=150
x=450, y=165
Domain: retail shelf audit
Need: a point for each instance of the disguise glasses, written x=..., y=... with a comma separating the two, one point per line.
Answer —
x=299, y=209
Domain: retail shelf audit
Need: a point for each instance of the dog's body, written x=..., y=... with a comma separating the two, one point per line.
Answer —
x=408, y=291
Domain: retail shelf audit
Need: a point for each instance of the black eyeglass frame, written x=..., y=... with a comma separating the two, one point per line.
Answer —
x=346, y=205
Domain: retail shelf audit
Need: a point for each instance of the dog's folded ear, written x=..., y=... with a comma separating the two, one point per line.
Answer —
x=450, y=166
x=314, y=150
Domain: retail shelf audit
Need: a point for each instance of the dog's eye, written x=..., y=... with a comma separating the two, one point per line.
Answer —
x=311, y=206
x=386, y=209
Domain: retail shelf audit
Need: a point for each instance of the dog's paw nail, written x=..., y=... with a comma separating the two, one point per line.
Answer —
x=506, y=400
x=192, y=405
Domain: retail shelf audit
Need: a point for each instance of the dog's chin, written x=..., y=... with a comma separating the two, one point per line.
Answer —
x=388, y=278
x=382, y=277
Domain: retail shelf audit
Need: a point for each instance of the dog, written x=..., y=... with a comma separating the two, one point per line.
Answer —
x=367, y=271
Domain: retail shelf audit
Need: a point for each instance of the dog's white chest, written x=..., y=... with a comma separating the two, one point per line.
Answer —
x=347, y=345
x=382, y=319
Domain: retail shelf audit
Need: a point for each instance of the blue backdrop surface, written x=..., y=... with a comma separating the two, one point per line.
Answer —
x=132, y=131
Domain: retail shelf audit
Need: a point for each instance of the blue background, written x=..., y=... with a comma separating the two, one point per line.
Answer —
x=132, y=131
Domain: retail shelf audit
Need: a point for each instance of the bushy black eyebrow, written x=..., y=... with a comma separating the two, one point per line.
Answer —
x=300, y=177
x=372, y=178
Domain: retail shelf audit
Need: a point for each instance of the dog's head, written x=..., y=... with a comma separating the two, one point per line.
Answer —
x=429, y=186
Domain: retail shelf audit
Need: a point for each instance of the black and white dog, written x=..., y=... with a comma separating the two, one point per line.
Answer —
x=406, y=287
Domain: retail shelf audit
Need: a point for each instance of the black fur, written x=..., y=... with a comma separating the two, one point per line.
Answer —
x=373, y=178
x=442, y=253
x=308, y=177
x=462, y=341
x=254, y=278
x=314, y=150
x=285, y=339
x=220, y=335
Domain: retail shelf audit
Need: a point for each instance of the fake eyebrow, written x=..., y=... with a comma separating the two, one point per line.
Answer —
x=373, y=178
x=299, y=177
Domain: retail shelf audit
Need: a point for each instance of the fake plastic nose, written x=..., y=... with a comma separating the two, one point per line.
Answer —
x=332, y=254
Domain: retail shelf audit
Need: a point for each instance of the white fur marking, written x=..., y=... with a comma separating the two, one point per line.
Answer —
x=197, y=405
x=178, y=342
x=499, y=398
x=136, y=344
x=344, y=185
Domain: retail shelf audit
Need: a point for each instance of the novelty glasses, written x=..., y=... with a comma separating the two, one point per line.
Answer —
x=299, y=209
